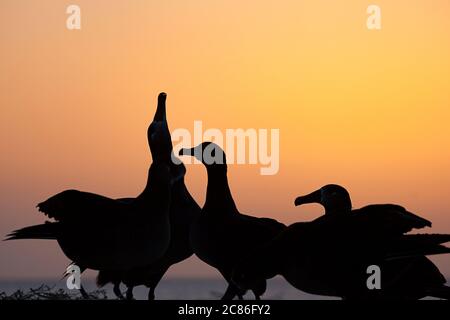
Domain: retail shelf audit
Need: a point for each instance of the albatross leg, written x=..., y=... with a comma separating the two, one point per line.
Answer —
x=130, y=293
x=117, y=291
x=153, y=281
x=230, y=293
x=83, y=293
x=151, y=293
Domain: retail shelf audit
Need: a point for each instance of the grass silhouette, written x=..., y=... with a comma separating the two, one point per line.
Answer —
x=45, y=292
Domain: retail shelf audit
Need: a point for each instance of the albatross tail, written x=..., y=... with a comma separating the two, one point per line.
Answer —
x=41, y=231
x=419, y=244
x=442, y=292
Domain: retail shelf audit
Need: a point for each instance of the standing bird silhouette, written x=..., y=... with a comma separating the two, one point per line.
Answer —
x=183, y=211
x=97, y=232
x=222, y=236
x=332, y=253
x=404, y=278
x=100, y=233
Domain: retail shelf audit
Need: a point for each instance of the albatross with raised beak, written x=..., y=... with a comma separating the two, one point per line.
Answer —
x=183, y=211
x=100, y=233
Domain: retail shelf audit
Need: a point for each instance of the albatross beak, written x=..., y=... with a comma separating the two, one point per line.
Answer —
x=160, y=114
x=162, y=97
x=186, y=152
x=314, y=197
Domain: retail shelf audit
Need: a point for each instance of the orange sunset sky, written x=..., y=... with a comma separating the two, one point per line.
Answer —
x=366, y=109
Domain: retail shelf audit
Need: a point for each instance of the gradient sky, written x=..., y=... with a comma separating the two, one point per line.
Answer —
x=365, y=109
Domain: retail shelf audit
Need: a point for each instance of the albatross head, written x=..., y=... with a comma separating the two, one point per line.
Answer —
x=158, y=134
x=209, y=153
x=333, y=197
x=160, y=114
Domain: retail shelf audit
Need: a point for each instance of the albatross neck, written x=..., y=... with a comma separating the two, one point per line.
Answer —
x=218, y=194
x=154, y=195
x=160, y=113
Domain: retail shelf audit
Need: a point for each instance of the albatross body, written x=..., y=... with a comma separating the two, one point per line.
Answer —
x=97, y=232
x=101, y=233
x=183, y=211
x=332, y=253
x=411, y=277
x=221, y=236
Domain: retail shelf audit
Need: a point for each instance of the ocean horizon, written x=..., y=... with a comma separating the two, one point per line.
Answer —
x=171, y=288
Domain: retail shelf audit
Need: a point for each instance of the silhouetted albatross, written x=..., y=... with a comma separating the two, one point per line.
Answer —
x=330, y=255
x=97, y=232
x=222, y=236
x=183, y=210
x=406, y=278
x=100, y=233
